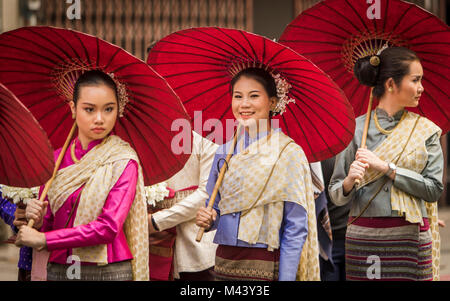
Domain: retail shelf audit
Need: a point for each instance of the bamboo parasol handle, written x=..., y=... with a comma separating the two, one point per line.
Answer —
x=57, y=164
x=366, y=125
x=219, y=181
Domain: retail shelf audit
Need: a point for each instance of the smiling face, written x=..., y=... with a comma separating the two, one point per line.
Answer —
x=96, y=112
x=251, y=103
x=410, y=89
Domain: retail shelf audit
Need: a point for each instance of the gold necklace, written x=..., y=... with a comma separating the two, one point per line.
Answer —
x=386, y=132
x=72, y=150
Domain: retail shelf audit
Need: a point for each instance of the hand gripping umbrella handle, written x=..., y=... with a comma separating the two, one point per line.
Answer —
x=219, y=180
x=366, y=125
x=57, y=164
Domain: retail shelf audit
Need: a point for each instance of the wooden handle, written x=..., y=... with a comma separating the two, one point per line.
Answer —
x=55, y=170
x=219, y=181
x=366, y=126
x=31, y=223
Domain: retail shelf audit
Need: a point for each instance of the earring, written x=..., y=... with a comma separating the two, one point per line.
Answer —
x=73, y=116
x=390, y=89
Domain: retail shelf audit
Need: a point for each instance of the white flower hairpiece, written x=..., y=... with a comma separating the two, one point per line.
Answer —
x=282, y=90
x=18, y=194
x=386, y=45
x=156, y=193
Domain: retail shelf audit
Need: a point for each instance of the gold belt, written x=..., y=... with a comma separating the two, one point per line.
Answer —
x=179, y=195
x=161, y=251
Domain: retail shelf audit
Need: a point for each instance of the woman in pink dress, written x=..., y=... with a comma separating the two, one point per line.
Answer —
x=92, y=221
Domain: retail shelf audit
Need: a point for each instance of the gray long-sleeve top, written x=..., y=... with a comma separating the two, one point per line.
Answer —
x=427, y=185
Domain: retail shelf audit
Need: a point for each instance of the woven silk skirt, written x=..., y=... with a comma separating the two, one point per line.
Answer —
x=246, y=264
x=118, y=271
x=388, y=249
x=161, y=249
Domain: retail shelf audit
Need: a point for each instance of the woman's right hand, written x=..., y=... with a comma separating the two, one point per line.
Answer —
x=205, y=217
x=36, y=210
x=356, y=172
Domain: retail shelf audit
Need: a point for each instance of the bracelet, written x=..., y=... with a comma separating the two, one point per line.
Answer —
x=154, y=224
x=392, y=168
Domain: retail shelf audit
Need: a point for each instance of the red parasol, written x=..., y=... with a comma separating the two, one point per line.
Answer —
x=26, y=156
x=41, y=65
x=199, y=64
x=334, y=34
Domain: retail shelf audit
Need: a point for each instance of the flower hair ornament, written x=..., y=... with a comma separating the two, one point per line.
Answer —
x=375, y=59
x=121, y=93
x=282, y=93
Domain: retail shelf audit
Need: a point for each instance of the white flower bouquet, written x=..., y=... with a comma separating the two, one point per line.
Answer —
x=156, y=193
x=18, y=194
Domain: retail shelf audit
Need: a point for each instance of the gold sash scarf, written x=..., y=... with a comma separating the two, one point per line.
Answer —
x=99, y=170
x=414, y=158
x=271, y=171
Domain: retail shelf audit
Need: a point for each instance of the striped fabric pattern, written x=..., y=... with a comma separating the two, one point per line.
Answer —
x=404, y=253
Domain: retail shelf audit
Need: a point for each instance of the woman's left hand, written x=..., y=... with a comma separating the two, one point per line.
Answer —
x=366, y=156
x=31, y=238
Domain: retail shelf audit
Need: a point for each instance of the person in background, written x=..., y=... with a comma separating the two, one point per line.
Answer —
x=191, y=260
x=15, y=218
x=334, y=270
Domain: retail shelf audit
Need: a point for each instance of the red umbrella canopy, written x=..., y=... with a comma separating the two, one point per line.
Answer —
x=26, y=156
x=335, y=33
x=41, y=65
x=199, y=64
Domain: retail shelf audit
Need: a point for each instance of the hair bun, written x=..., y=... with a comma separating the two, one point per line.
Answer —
x=366, y=70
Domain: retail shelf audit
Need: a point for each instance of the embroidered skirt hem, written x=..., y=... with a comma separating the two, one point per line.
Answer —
x=118, y=271
x=246, y=264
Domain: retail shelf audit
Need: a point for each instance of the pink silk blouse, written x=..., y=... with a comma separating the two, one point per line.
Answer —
x=106, y=229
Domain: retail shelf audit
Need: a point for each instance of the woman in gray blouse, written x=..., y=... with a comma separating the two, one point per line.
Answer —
x=392, y=233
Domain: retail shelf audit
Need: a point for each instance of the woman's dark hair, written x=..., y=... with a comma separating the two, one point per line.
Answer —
x=93, y=78
x=394, y=62
x=261, y=76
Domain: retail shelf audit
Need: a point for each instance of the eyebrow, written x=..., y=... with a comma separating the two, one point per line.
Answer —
x=257, y=91
x=91, y=104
